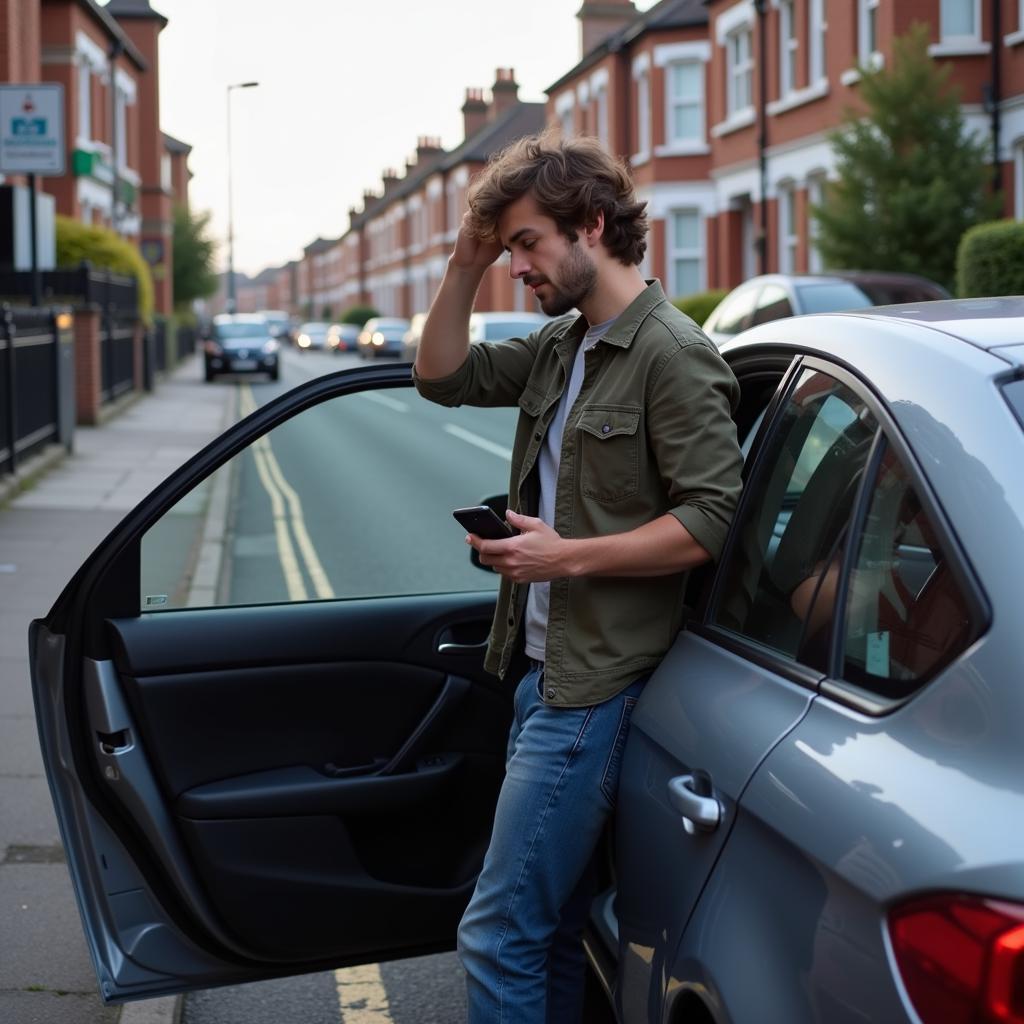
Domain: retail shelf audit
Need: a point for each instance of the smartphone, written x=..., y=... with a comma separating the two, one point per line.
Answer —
x=484, y=522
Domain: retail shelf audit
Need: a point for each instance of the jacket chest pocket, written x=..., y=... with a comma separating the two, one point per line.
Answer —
x=609, y=451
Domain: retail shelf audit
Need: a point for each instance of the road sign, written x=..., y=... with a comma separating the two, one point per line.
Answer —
x=32, y=129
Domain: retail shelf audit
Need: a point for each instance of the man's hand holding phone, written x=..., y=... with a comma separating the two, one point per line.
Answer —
x=535, y=555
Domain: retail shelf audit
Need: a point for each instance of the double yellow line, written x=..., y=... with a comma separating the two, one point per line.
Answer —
x=286, y=509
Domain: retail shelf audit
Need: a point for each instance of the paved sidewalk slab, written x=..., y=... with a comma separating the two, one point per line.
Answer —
x=46, y=532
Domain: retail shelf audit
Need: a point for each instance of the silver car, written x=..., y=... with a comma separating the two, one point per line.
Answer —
x=774, y=296
x=820, y=810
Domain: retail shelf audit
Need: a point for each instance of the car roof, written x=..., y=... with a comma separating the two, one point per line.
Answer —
x=511, y=314
x=985, y=323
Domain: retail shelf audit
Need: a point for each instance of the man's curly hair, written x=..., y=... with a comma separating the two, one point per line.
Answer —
x=571, y=180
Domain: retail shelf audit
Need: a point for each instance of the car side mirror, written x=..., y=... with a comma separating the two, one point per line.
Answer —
x=499, y=502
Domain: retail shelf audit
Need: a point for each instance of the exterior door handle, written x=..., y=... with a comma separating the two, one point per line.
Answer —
x=699, y=812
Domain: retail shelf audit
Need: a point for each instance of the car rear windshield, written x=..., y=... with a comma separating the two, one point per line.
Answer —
x=502, y=330
x=241, y=330
x=1014, y=392
x=830, y=298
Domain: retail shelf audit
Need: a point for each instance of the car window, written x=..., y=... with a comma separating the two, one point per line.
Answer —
x=778, y=583
x=502, y=330
x=731, y=316
x=830, y=298
x=228, y=331
x=906, y=615
x=349, y=499
x=772, y=304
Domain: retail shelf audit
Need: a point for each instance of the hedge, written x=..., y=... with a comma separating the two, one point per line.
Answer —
x=358, y=315
x=104, y=248
x=698, y=306
x=990, y=259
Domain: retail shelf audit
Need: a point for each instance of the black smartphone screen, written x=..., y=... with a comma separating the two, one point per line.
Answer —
x=484, y=522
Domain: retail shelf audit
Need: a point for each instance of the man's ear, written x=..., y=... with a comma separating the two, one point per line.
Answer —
x=594, y=230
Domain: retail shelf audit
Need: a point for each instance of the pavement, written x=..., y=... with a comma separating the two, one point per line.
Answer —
x=46, y=531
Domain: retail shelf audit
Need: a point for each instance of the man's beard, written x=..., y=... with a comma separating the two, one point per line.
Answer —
x=577, y=278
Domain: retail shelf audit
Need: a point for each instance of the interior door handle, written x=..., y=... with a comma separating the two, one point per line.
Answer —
x=450, y=648
x=699, y=812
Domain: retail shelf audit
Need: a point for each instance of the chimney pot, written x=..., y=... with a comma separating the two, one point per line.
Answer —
x=474, y=112
x=504, y=92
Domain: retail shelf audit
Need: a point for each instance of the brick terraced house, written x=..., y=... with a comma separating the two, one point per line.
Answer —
x=722, y=109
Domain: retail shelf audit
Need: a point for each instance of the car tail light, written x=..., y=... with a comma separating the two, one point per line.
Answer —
x=961, y=958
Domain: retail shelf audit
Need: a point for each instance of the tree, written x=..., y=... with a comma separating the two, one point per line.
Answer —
x=194, y=276
x=911, y=179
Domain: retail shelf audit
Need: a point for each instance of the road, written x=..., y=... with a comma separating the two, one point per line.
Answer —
x=352, y=498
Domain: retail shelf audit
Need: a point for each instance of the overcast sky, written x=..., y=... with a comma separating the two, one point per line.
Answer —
x=346, y=87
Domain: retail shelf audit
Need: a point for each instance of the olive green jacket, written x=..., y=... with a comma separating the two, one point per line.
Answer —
x=651, y=432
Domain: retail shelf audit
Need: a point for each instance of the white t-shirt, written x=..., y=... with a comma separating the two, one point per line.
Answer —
x=547, y=467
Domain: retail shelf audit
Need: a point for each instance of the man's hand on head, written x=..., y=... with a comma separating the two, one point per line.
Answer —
x=471, y=252
x=535, y=556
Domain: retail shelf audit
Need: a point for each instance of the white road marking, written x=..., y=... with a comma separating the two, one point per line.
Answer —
x=282, y=493
x=386, y=400
x=481, y=442
x=314, y=567
x=361, y=995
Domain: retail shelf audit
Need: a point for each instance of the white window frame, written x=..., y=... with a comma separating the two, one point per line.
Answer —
x=642, y=77
x=1018, y=179
x=84, y=128
x=973, y=36
x=121, y=127
x=867, y=14
x=736, y=71
x=951, y=45
x=789, y=47
x=672, y=102
x=1017, y=36
x=816, y=181
x=675, y=251
x=564, y=106
x=599, y=97
x=817, y=31
x=788, y=229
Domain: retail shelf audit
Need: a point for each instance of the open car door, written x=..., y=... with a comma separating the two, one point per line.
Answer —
x=269, y=736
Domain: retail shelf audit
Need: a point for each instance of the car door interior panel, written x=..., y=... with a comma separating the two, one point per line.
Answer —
x=304, y=751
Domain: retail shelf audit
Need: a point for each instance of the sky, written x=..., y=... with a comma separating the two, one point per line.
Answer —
x=346, y=88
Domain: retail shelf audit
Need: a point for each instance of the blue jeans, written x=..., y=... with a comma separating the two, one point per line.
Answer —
x=520, y=940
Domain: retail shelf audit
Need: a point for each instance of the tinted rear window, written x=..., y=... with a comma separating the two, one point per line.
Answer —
x=1014, y=392
x=501, y=330
x=830, y=298
x=241, y=330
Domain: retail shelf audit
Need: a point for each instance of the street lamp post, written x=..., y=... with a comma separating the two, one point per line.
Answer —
x=232, y=305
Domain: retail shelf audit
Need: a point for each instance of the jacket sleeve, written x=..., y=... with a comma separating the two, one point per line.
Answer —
x=494, y=373
x=693, y=436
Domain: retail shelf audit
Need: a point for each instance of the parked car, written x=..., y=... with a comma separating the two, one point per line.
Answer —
x=773, y=296
x=313, y=336
x=382, y=336
x=280, y=322
x=240, y=343
x=886, y=288
x=411, y=338
x=500, y=326
x=820, y=802
x=343, y=337
x=494, y=326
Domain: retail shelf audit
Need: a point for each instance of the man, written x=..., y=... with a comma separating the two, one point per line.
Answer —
x=625, y=473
